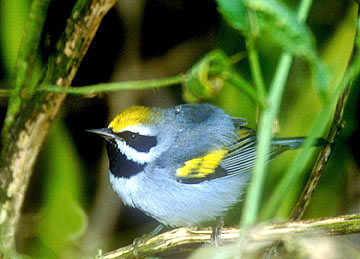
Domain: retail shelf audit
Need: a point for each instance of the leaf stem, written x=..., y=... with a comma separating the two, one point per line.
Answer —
x=304, y=9
x=112, y=87
x=108, y=87
x=256, y=69
x=245, y=87
x=319, y=126
x=252, y=201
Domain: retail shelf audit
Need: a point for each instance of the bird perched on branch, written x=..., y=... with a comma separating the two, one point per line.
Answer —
x=183, y=165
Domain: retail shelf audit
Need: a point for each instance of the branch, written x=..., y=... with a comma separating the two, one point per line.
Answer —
x=185, y=239
x=322, y=159
x=26, y=60
x=336, y=125
x=27, y=130
x=319, y=167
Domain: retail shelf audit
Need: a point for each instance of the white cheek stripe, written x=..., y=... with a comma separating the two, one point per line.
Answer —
x=132, y=154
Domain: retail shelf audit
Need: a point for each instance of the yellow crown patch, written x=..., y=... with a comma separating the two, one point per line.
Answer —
x=131, y=116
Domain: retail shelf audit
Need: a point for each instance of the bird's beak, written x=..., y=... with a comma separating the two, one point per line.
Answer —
x=104, y=132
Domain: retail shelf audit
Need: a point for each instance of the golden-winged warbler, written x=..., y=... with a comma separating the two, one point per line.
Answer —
x=183, y=165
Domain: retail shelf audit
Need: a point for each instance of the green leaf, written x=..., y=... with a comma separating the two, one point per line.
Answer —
x=273, y=22
x=63, y=219
x=280, y=26
x=344, y=71
x=235, y=13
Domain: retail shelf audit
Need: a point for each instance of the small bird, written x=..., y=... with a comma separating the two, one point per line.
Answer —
x=184, y=165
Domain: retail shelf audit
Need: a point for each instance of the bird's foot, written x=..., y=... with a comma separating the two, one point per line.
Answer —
x=141, y=240
x=216, y=232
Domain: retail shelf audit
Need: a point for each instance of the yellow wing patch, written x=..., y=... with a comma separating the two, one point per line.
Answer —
x=202, y=166
x=131, y=116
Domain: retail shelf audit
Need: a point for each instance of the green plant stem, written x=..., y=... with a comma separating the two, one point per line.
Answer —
x=255, y=67
x=239, y=83
x=112, y=87
x=245, y=87
x=26, y=58
x=256, y=71
x=304, y=9
x=7, y=92
x=21, y=145
x=252, y=201
x=103, y=88
x=319, y=126
x=29, y=46
x=298, y=164
x=13, y=17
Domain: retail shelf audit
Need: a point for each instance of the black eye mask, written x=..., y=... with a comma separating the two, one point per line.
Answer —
x=138, y=142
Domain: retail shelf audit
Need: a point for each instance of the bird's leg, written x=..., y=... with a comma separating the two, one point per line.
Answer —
x=216, y=232
x=140, y=240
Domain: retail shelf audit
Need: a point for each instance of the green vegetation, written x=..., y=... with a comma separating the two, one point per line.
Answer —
x=272, y=64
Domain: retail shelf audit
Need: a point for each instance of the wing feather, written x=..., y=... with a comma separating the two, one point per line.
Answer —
x=238, y=158
x=241, y=156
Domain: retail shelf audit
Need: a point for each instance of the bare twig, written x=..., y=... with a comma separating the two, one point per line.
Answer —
x=323, y=157
x=184, y=239
x=337, y=123
x=318, y=169
x=28, y=129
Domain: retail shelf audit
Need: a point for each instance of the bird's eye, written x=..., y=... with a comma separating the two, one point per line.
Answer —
x=137, y=141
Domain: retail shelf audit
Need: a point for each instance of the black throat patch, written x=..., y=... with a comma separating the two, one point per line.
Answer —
x=120, y=165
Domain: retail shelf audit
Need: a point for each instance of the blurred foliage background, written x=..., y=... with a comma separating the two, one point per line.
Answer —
x=70, y=210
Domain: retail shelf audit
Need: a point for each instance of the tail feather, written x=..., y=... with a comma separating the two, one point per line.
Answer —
x=294, y=143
